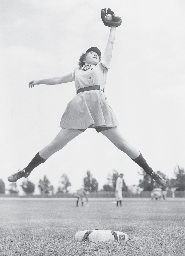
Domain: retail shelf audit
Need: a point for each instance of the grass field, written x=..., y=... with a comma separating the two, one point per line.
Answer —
x=47, y=227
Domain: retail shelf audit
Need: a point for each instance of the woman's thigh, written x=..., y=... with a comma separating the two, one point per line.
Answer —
x=116, y=137
x=66, y=135
x=62, y=138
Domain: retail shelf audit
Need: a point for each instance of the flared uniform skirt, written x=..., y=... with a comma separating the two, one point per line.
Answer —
x=88, y=109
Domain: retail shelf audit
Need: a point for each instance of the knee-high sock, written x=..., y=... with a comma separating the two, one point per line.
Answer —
x=143, y=164
x=77, y=203
x=37, y=160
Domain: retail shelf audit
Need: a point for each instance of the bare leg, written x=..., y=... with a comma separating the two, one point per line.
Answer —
x=62, y=138
x=115, y=136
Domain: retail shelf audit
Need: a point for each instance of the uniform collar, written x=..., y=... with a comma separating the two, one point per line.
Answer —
x=88, y=66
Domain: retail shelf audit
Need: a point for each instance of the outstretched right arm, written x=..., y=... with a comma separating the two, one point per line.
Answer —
x=52, y=81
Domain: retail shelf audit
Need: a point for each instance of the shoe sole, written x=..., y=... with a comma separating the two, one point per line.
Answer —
x=14, y=179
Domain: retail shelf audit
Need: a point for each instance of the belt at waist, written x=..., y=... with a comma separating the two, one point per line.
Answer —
x=89, y=88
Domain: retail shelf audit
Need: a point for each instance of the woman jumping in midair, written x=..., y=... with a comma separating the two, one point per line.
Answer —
x=89, y=108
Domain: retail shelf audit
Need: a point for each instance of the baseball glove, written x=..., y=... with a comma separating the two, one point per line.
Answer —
x=115, y=22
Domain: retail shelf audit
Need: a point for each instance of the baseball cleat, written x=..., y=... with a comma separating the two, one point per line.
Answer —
x=158, y=179
x=18, y=175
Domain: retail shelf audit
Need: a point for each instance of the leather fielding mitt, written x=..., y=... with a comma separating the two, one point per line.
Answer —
x=115, y=22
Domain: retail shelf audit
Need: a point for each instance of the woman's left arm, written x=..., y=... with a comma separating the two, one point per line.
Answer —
x=109, y=48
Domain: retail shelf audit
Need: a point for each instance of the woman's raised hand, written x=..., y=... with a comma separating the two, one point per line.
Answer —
x=33, y=83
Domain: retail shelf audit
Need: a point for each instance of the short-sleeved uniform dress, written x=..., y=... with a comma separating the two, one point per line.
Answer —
x=89, y=109
x=119, y=186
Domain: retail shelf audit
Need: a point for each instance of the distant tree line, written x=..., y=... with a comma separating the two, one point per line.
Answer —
x=146, y=183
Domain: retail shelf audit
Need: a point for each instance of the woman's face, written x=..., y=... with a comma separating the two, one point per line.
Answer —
x=92, y=58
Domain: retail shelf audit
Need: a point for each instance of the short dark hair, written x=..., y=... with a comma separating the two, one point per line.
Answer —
x=81, y=61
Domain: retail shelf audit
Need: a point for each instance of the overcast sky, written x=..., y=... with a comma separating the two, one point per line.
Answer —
x=145, y=86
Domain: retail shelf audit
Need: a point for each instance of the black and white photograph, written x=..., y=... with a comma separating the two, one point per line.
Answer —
x=92, y=127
